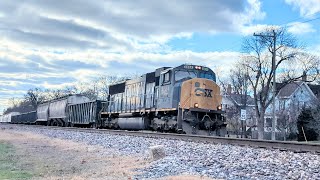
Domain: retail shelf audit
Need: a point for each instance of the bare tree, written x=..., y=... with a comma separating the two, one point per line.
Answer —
x=257, y=61
x=13, y=102
x=233, y=119
x=236, y=91
x=239, y=81
x=34, y=96
x=100, y=86
x=287, y=120
x=304, y=65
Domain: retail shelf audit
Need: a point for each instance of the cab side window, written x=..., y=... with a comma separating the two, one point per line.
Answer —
x=167, y=77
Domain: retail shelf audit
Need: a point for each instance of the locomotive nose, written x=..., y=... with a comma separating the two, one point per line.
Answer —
x=200, y=93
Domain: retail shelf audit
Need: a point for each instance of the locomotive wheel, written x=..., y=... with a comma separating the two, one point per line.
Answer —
x=207, y=123
x=194, y=129
x=49, y=123
x=187, y=128
x=54, y=123
x=95, y=126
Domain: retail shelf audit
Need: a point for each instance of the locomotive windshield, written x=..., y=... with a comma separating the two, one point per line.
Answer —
x=186, y=72
x=184, y=75
x=207, y=75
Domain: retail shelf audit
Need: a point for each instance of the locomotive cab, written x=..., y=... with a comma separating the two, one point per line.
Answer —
x=191, y=91
x=200, y=107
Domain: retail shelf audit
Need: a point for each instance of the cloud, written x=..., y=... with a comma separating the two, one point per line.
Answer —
x=54, y=69
x=300, y=28
x=60, y=75
x=253, y=11
x=250, y=30
x=295, y=28
x=48, y=44
x=90, y=24
x=307, y=8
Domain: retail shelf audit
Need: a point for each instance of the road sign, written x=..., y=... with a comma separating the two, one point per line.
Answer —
x=243, y=115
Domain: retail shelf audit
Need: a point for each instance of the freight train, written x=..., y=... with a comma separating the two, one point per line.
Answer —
x=182, y=99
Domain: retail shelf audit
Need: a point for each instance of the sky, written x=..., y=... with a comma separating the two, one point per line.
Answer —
x=53, y=44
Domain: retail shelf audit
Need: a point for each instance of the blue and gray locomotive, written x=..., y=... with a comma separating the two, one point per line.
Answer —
x=183, y=99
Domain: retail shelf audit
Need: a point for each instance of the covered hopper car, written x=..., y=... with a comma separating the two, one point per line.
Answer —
x=55, y=112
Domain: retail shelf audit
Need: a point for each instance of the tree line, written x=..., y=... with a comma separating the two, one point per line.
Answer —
x=95, y=89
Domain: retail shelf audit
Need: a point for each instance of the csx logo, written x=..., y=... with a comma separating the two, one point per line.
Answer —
x=199, y=90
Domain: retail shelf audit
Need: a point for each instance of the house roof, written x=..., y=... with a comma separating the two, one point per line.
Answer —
x=240, y=98
x=289, y=89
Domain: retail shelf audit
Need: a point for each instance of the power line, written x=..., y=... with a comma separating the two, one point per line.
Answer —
x=310, y=15
x=294, y=24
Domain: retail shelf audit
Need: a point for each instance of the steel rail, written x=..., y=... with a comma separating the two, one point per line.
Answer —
x=300, y=147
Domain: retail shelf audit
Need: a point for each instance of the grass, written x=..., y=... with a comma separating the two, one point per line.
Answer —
x=8, y=164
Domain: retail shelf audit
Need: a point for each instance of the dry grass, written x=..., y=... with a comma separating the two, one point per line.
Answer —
x=62, y=159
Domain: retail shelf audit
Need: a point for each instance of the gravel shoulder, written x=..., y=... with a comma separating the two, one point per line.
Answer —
x=62, y=154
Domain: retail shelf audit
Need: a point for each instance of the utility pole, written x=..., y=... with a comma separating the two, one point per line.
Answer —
x=244, y=123
x=244, y=105
x=274, y=38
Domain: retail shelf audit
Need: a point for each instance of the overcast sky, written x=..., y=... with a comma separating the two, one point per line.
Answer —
x=52, y=43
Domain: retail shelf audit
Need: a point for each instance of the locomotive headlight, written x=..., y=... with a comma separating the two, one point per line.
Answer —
x=219, y=107
x=196, y=105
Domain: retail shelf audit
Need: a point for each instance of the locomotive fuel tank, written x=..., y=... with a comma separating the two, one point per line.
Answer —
x=133, y=123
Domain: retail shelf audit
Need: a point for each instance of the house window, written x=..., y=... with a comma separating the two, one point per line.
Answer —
x=282, y=105
x=268, y=122
x=301, y=104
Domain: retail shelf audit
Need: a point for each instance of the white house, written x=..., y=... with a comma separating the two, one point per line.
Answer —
x=289, y=101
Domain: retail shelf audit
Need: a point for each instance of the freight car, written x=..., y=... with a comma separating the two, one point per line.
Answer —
x=85, y=114
x=24, y=118
x=7, y=118
x=183, y=99
x=74, y=110
x=55, y=112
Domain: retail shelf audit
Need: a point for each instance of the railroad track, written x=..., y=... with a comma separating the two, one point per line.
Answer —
x=299, y=147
